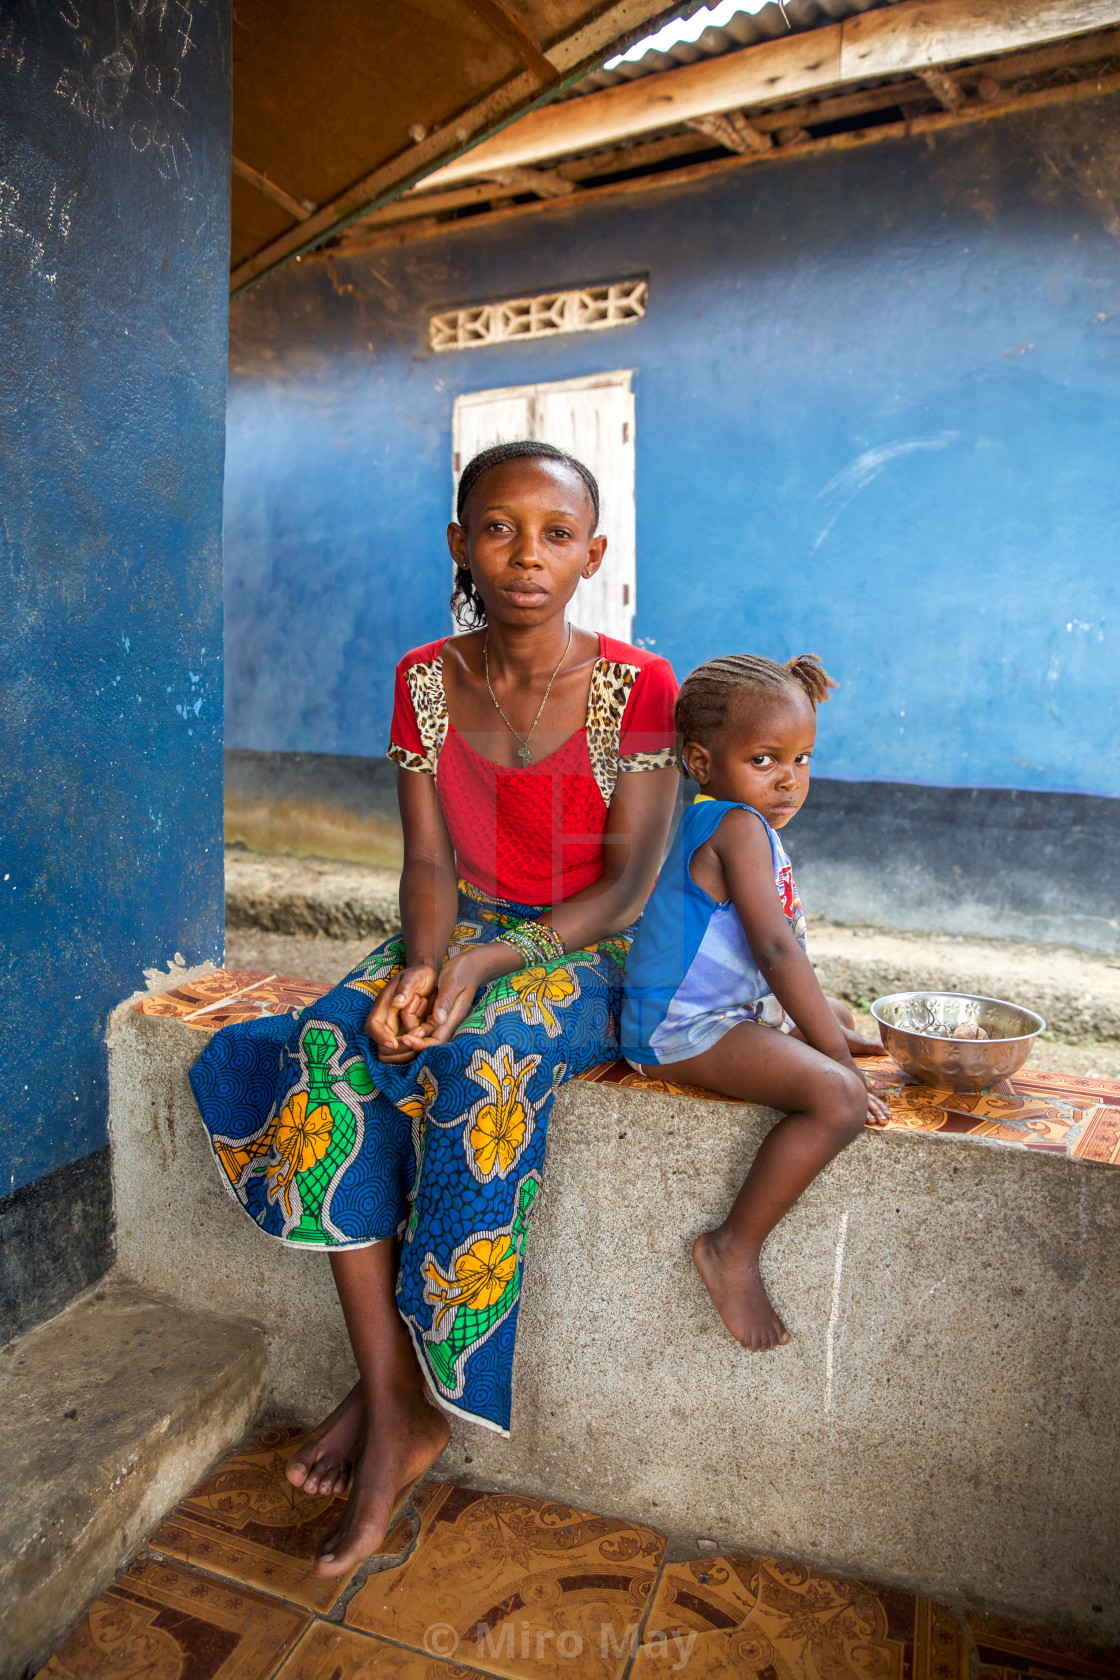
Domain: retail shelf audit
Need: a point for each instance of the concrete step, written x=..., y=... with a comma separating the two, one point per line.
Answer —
x=310, y=895
x=1077, y=992
x=109, y=1415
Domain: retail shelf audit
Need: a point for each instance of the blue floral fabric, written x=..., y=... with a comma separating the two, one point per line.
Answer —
x=325, y=1147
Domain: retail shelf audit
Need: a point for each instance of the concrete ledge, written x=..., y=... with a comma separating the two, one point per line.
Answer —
x=310, y=896
x=109, y=1415
x=946, y=1416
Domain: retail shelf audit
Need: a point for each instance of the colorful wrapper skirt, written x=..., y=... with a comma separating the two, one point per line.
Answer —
x=325, y=1147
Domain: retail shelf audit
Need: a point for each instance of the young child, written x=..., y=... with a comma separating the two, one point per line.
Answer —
x=718, y=985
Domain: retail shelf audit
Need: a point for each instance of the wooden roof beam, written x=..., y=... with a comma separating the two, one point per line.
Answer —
x=573, y=55
x=257, y=178
x=912, y=37
x=501, y=22
x=944, y=89
x=546, y=183
x=972, y=111
x=734, y=131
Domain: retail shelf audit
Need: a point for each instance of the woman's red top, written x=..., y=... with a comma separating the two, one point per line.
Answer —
x=536, y=835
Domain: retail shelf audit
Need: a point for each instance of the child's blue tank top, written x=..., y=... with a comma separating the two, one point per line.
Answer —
x=690, y=975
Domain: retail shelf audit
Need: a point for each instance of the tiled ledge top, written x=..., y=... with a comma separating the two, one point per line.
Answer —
x=1054, y=1113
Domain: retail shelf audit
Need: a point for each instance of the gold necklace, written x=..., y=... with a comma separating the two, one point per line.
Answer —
x=524, y=756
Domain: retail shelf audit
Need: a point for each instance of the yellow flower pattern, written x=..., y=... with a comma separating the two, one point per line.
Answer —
x=300, y=1140
x=536, y=990
x=499, y=1126
x=481, y=1275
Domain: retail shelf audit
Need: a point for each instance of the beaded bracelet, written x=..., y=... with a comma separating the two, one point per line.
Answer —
x=537, y=942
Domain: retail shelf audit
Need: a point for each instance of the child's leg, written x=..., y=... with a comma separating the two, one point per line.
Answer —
x=826, y=1107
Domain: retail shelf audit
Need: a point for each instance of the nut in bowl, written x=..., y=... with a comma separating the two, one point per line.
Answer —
x=956, y=1039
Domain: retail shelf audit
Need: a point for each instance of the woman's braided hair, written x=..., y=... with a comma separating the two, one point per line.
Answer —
x=706, y=694
x=466, y=602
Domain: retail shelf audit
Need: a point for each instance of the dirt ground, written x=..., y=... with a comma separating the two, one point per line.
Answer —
x=330, y=959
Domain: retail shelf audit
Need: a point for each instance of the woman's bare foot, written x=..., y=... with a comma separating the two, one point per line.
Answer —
x=734, y=1282
x=324, y=1464
x=402, y=1442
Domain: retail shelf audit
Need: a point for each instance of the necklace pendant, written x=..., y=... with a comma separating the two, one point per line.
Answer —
x=523, y=754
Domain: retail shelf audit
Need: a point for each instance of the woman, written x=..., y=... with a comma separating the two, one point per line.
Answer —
x=536, y=786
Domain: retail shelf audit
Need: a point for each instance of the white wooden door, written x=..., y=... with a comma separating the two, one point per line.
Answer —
x=593, y=419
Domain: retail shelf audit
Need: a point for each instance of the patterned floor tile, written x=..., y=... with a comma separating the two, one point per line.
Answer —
x=161, y=1622
x=518, y=1587
x=247, y=1521
x=1009, y=1652
x=738, y=1618
x=338, y=1653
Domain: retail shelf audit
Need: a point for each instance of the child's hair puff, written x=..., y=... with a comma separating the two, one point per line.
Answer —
x=707, y=693
x=466, y=602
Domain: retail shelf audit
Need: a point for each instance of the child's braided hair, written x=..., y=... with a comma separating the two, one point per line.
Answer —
x=707, y=693
x=466, y=602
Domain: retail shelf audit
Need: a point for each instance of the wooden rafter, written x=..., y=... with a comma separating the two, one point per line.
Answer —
x=914, y=37
x=1004, y=104
x=734, y=131
x=546, y=183
x=943, y=88
x=907, y=94
x=573, y=55
x=501, y=22
x=257, y=178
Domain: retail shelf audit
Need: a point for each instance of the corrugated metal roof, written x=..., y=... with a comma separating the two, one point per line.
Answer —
x=744, y=30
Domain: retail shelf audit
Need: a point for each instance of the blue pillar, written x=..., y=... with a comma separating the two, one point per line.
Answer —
x=114, y=216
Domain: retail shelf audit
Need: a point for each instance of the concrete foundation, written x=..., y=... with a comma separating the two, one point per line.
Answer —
x=316, y=805
x=946, y=1416
x=109, y=1415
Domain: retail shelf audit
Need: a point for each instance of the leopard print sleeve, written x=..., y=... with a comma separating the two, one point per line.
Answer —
x=611, y=684
x=429, y=715
x=648, y=739
x=662, y=759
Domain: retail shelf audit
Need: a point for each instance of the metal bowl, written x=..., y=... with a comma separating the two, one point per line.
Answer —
x=915, y=1029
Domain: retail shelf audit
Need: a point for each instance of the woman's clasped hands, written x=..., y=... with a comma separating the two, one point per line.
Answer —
x=419, y=1008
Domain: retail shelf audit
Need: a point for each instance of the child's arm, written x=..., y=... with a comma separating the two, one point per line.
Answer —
x=742, y=851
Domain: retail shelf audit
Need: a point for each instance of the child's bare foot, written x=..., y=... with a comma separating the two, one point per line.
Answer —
x=402, y=1442
x=734, y=1282
x=325, y=1462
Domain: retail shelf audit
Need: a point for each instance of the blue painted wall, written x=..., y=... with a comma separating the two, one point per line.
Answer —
x=114, y=204
x=876, y=417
